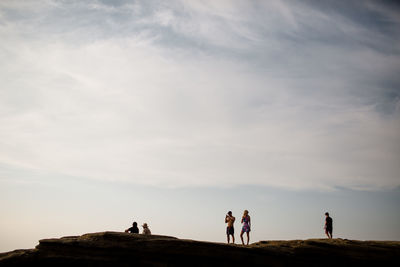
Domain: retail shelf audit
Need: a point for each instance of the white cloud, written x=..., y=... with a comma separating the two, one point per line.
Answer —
x=135, y=108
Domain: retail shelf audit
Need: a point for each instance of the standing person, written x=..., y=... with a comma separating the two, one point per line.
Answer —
x=230, y=231
x=246, y=226
x=134, y=229
x=146, y=230
x=328, y=225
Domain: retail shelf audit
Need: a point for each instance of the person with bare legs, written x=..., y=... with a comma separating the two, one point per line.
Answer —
x=230, y=231
x=328, y=225
x=246, y=226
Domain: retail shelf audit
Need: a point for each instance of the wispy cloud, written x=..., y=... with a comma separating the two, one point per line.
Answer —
x=202, y=93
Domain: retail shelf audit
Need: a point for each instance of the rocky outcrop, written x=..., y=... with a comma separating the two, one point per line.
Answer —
x=123, y=249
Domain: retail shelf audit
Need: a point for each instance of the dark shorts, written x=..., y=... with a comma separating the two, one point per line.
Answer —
x=329, y=230
x=230, y=230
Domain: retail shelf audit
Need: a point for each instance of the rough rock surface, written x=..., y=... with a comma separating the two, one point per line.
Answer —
x=123, y=249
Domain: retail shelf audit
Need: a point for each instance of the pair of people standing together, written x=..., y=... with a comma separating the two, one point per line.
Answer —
x=230, y=231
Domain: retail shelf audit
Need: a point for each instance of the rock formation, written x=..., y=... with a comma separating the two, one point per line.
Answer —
x=123, y=249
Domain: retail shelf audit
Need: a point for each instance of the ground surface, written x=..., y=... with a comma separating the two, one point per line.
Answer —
x=122, y=249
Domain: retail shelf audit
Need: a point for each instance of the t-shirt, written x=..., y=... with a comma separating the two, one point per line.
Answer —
x=133, y=230
x=328, y=221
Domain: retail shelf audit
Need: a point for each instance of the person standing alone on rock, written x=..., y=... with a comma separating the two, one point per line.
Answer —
x=246, y=226
x=230, y=231
x=328, y=225
x=134, y=229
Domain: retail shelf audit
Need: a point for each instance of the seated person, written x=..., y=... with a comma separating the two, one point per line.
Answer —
x=134, y=229
x=146, y=230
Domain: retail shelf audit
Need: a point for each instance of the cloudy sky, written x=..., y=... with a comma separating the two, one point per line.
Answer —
x=196, y=100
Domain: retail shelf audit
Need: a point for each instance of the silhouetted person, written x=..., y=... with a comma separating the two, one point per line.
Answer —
x=230, y=231
x=328, y=225
x=134, y=229
x=246, y=226
x=146, y=230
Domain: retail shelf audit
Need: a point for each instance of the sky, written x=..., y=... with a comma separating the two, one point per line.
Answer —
x=174, y=112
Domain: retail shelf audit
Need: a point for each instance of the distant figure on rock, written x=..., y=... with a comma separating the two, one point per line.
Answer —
x=133, y=230
x=146, y=230
x=230, y=231
x=246, y=226
x=328, y=225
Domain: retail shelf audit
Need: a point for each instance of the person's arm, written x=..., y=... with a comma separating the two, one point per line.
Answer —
x=242, y=220
x=249, y=222
x=127, y=230
x=226, y=218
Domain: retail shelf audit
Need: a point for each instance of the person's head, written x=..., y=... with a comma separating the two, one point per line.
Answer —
x=245, y=213
x=230, y=213
x=145, y=225
x=134, y=224
x=327, y=214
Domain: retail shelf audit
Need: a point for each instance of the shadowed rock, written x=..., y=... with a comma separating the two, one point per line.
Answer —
x=123, y=249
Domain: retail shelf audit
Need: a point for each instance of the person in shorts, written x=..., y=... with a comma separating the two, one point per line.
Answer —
x=230, y=231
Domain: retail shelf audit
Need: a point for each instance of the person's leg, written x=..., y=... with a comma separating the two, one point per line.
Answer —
x=248, y=237
x=241, y=236
x=233, y=239
x=227, y=237
x=327, y=233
